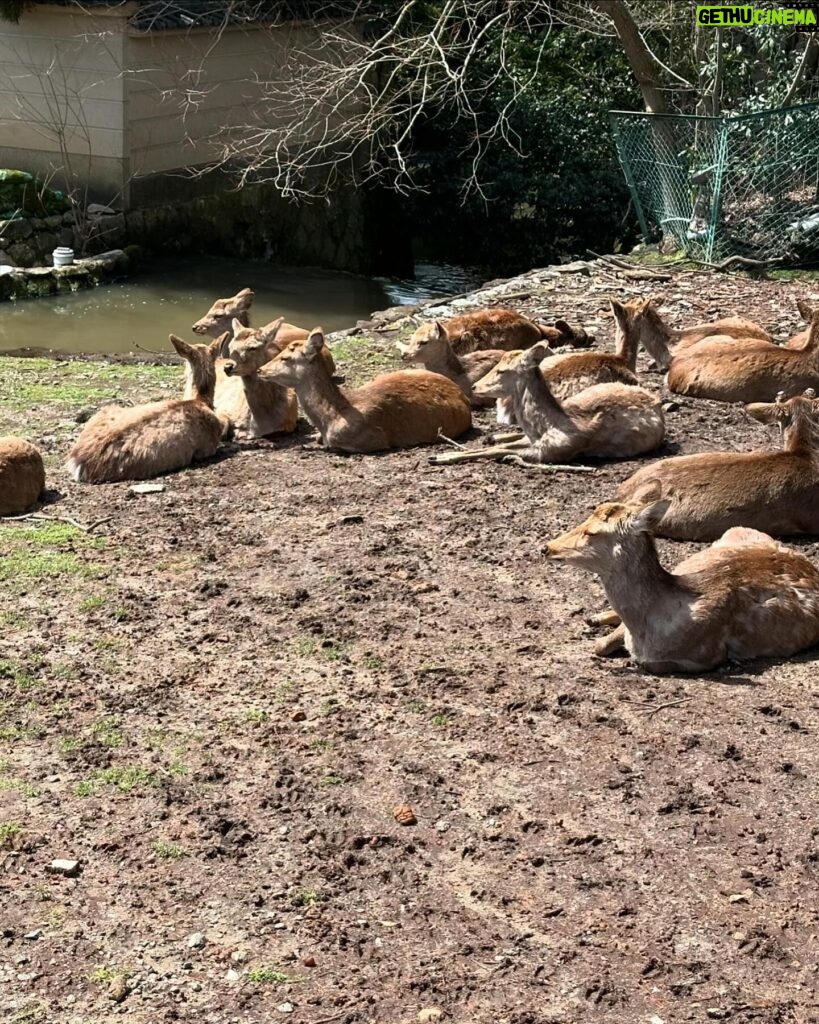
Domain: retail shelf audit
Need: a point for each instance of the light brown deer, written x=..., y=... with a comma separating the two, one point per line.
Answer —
x=642, y=324
x=745, y=370
x=270, y=409
x=22, y=476
x=773, y=491
x=219, y=319
x=147, y=440
x=746, y=596
x=500, y=329
x=604, y=421
x=396, y=410
x=800, y=339
x=430, y=346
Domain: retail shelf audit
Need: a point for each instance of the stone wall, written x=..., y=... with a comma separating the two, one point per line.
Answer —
x=29, y=242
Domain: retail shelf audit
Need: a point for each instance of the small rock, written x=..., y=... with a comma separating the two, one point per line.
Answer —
x=31, y=936
x=118, y=989
x=670, y=406
x=196, y=941
x=430, y=1013
x=442, y=826
x=285, y=1007
x=232, y=976
x=239, y=956
x=717, y=1013
x=309, y=961
x=404, y=815
x=147, y=488
x=298, y=716
x=69, y=868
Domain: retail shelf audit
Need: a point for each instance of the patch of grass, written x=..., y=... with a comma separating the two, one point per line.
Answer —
x=9, y=830
x=810, y=276
x=91, y=604
x=126, y=779
x=178, y=769
x=9, y=785
x=34, y=1014
x=333, y=780
x=332, y=651
x=256, y=715
x=107, y=732
x=416, y=705
x=266, y=976
x=14, y=619
x=168, y=851
x=305, y=646
x=309, y=897
x=319, y=744
x=109, y=643
x=17, y=673
x=440, y=720
x=105, y=975
x=373, y=662
x=359, y=359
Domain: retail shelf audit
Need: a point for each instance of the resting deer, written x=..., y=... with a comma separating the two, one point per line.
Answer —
x=132, y=444
x=806, y=311
x=499, y=329
x=271, y=409
x=643, y=325
x=746, y=596
x=219, y=319
x=396, y=410
x=431, y=347
x=747, y=370
x=22, y=476
x=773, y=491
x=604, y=421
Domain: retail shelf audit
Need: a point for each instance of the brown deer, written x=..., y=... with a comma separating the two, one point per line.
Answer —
x=746, y=370
x=800, y=339
x=396, y=410
x=605, y=421
x=219, y=319
x=265, y=408
x=22, y=476
x=773, y=491
x=746, y=596
x=500, y=329
x=640, y=321
x=431, y=347
x=132, y=444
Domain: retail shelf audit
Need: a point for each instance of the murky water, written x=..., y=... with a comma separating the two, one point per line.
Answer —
x=168, y=297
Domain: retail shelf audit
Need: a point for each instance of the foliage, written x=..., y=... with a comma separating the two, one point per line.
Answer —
x=558, y=192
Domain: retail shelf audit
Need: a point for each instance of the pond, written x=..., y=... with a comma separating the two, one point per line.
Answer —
x=168, y=297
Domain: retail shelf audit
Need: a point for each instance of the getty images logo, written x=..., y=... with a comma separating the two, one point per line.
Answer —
x=805, y=17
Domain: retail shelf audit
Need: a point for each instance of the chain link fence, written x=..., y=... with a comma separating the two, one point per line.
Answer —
x=726, y=186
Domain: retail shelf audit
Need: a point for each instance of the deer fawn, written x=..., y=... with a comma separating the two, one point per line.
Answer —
x=132, y=444
x=746, y=596
x=22, y=476
x=499, y=329
x=773, y=491
x=604, y=421
x=746, y=371
x=264, y=408
x=639, y=320
x=396, y=410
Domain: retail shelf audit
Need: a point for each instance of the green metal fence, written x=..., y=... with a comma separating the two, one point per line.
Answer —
x=726, y=186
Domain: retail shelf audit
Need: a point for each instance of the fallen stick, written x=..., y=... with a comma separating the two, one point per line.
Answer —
x=505, y=452
x=62, y=519
x=669, y=704
x=546, y=467
x=448, y=440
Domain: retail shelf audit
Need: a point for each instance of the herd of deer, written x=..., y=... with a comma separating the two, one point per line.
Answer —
x=746, y=595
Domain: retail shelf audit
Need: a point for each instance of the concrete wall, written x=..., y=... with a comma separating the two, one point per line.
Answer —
x=61, y=98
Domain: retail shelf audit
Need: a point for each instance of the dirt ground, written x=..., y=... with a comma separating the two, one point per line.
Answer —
x=214, y=698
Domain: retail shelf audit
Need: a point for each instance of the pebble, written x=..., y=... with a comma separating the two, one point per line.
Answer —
x=69, y=868
x=232, y=976
x=118, y=989
x=196, y=941
x=238, y=956
x=442, y=826
x=430, y=1013
x=309, y=961
x=285, y=1007
x=298, y=716
x=33, y=935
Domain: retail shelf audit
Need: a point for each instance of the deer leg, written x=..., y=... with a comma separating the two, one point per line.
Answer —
x=606, y=618
x=493, y=452
x=611, y=643
x=516, y=435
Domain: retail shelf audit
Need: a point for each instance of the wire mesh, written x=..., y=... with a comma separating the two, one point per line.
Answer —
x=726, y=186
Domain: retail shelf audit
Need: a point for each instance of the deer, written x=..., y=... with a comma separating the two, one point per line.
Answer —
x=147, y=440
x=265, y=408
x=22, y=476
x=499, y=329
x=746, y=370
x=219, y=318
x=806, y=311
x=776, y=492
x=395, y=410
x=745, y=596
x=643, y=325
x=605, y=421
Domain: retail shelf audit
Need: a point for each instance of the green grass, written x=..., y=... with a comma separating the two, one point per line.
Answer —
x=125, y=779
x=440, y=720
x=9, y=830
x=168, y=851
x=45, y=551
x=333, y=780
x=91, y=604
x=309, y=897
x=267, y=975
x=17, y=673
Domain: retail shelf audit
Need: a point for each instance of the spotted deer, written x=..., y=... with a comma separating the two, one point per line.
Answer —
x=746, y=596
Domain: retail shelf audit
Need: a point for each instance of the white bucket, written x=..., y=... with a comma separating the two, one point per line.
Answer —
x=63, y=256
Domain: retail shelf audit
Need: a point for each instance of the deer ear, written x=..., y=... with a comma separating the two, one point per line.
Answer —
x=805, y=309
x=440, y=331
x=182, y=347
x=314, y=343
x=246, y=295
x=655, y=300
x=565, y=328
x=220, y=346
x=649, y=517
x=268, y=333
x=236, y=326
x=619, y=310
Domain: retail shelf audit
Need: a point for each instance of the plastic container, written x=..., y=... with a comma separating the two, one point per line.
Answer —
x=63, y=256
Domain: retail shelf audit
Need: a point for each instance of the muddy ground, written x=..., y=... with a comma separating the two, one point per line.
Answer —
x=215, y=697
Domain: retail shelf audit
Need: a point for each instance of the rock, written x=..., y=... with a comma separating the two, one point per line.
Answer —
x=16, y=230
x=232, y=976
x=442, y=826
x=309, y=961
x=23, y=254
x=69, y=868
x=576, y=267
x=146, y=488
x=298, y=716
x=404, y=815
x=285, y=1007
x=97, y=210
x=54, y=222
x=430, y=1013
x=239, y=956
x=118, y=989
x=196, y=941
x=670, y=406
x=84, y=415
x=32, y=936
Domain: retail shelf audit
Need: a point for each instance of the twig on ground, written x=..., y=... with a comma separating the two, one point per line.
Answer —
x=448, y=440
x=86, y=528
x=739, y=261
x=668, y=704
x=545, y=467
